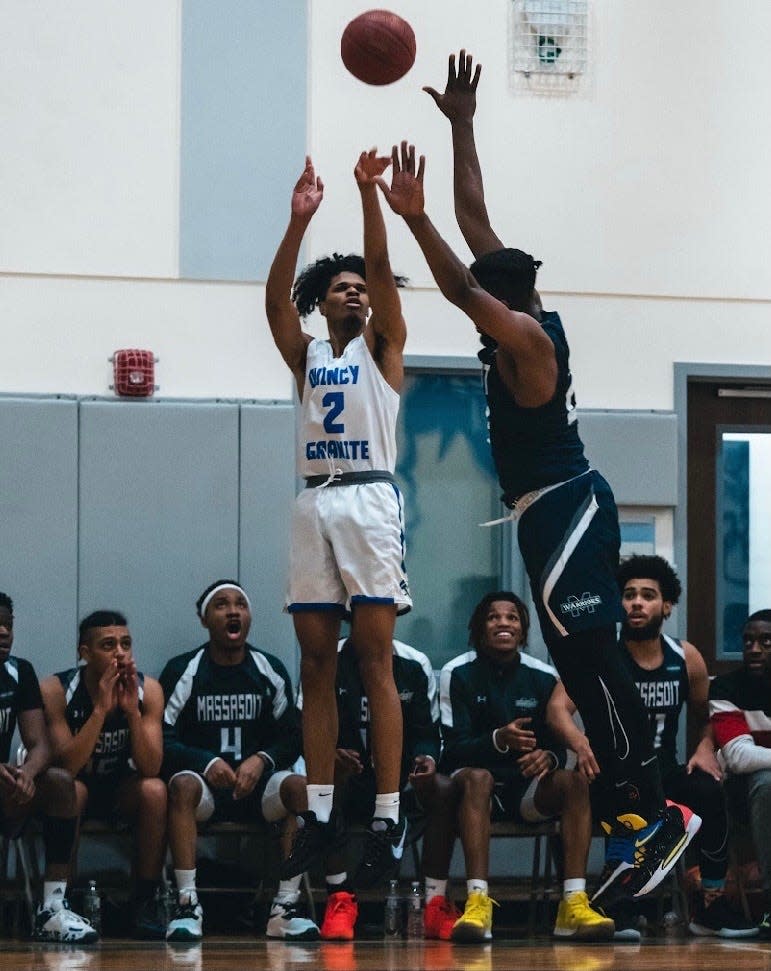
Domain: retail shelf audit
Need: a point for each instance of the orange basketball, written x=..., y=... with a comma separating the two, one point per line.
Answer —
x=378, y=47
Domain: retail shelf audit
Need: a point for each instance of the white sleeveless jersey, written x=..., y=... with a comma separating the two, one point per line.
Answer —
x=348, y=412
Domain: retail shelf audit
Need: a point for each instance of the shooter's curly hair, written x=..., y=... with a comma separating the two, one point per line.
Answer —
x=311, y=286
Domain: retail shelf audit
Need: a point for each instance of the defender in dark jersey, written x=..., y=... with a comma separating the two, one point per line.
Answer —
x=501, y=759
x=568, y=523
x=30, y=787
x=105, y=722
x=355, y=782
x=670, y=673
x=229, y=728
x=740, y=714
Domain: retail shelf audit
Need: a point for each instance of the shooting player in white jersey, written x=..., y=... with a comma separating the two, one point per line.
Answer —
x=348, y=532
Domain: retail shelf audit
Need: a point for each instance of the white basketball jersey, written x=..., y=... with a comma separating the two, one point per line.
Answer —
x=348, y=412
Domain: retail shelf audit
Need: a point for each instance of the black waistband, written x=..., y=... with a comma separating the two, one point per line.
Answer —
x=349, y=478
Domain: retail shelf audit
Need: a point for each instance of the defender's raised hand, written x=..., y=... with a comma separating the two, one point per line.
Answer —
x=308, y=191
x=459, y=101
x=405, y=194
x=370, y=166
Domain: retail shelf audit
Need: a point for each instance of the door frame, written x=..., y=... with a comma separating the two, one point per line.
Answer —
x=683, y=373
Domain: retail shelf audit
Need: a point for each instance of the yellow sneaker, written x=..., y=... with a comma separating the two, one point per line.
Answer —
x=577, y=920
x=476, y=924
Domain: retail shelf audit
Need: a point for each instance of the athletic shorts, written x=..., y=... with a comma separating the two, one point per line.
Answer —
x=104, y=795
x=263, y=803
x=348, y=548
x=514, y=800
x=569, y=540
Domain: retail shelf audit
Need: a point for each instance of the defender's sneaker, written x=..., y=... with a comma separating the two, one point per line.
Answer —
x=639, y=855
x=476, y=923
x=720, y=919
x=577, y=920
x=340, y=917
x=383, y=848
x=55, y=924
x=439, y=918
x=285, y=922
x=187, y=922
x=654, y=858
x=311, y=842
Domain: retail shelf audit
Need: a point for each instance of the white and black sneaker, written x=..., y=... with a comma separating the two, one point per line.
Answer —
x=287, y=923
x=383, y=849
x=55, y=924
x=187, y=923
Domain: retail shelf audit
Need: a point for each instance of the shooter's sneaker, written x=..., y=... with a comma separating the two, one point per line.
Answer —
x=311, y=842
x=720, y=919
x=383, y=848
x=187, y=922
x=439, y=918
x=339, y=917
x=56, y=924
x=476, y=923
x=286, y=922
x=577, y=920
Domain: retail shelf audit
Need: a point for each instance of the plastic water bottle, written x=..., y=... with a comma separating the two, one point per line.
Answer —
x=92, y=906
x=415, y=913
x=392, y=921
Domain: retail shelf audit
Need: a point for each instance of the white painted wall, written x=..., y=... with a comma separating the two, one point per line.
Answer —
x=645, y=194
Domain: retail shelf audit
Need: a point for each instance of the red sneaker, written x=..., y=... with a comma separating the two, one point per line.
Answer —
x=339, y=917
x=439, y=918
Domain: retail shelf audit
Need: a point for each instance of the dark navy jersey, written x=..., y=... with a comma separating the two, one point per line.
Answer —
x=19, y=691
x=111, y=757
x=664, y=691
x=534, y=447
x=226, y=711
x=478, y=695
x=416, y=686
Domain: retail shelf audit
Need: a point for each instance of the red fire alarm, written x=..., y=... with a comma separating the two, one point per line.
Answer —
x=134, y=372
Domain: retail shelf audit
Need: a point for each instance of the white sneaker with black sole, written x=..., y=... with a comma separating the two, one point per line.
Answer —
x=287, y=923
x=187, y=922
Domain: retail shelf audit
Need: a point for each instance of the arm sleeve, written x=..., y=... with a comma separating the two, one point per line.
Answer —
x=742, y=755
x=177, y=755
x=424, y=714
x=462, y=746
x=282, y=741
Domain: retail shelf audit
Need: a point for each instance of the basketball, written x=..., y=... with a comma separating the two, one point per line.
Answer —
x=378, y=47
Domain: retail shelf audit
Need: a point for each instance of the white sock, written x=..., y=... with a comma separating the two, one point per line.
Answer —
x=185, y=880
x=387, y=806
x=435, y=888
x=335, y=879
x=320, y=801
x=288, y=890
x=476, y=884
x=53, y=894
x=573, y=886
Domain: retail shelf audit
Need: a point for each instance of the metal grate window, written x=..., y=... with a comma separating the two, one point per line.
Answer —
x=549, y=38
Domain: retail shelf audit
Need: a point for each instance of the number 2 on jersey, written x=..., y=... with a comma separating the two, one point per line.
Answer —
x=335, y=401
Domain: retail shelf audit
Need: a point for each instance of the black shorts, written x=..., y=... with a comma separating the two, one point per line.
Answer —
x=508, y=797
x=104, y=798
x=246, y=810
x=569, y=539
